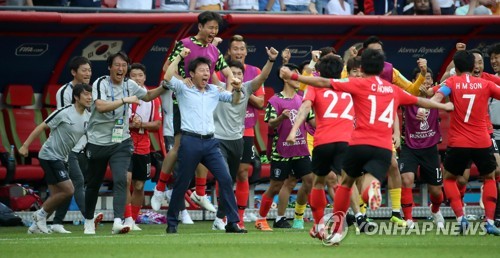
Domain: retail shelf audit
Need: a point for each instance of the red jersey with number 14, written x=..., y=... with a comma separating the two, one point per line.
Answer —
x=468, y=122
x=334, y=115
x=375, y=103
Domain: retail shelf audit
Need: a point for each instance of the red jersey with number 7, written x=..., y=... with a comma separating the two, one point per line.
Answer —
x=334, y=115
x=468, y=122
x=375, y=103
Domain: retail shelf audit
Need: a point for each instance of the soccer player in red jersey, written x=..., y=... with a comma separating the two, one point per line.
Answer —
x=370, y=148
x=468, y=136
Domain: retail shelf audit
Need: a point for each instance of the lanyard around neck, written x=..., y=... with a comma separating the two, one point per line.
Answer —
x=113, y=97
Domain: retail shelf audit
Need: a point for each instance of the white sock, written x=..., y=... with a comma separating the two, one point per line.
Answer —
x=42, y=213
x=118, y=221
x=490, y=221
x=459, y=219
x=359, y=214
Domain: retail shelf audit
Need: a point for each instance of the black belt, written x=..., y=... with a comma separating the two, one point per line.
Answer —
x=200, y=136
x=496, y=127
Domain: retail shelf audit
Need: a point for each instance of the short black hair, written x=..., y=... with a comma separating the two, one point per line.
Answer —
x=476, y=51
x=372, y=61
x=416, y=71
x=121, y=54
x=494, y=50
x=290, y=66
x=237, y=64
x=193, y=64
x=464, y=61
x=330, y=67
x=207, y=16
x=327, y=50
x=77, y=61
x=78, y=89
x=371, y=40
x=352, y=63
x=138, y=66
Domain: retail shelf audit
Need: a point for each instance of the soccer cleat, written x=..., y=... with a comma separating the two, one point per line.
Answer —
x=398, y=220
x=364, y=224
x=492, y=229
x=119, y=228
x=261, y=224
x=41, y=222
x=282, y=223
x=438, y=219
x=463, y=226
x=185, y=218
x=410, y=224
x=202, y=201
x=89, y=227
x=58, y=228
x=374, y=195
x=157, y=199
x=317, y=231
x=333, y=241
x=219, y=224
x=131, y=223
x=350, y=219
x=249, y=217
x=33, y=229
x=241, y=224
x=98, y=217
x=298, y=224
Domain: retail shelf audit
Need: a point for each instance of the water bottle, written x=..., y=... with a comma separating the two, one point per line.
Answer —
x=11, y=166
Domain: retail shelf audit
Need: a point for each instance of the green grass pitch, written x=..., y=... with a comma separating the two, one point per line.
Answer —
x=199, y=240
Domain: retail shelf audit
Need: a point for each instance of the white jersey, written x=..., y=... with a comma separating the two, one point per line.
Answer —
x=135, y=4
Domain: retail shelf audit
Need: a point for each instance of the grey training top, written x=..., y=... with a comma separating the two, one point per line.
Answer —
x=230, y=119
x=64, y=97
x=101, y=124
x=67, y=126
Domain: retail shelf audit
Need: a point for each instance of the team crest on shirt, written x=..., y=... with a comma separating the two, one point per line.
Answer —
x=277, y=172
x=62, y=174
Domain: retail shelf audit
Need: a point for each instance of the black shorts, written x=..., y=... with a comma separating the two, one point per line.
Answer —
x=494, y=149
x=457, y=160
x=140, y=166
x=373, y=160
x=248, y=154
x=169, y=142
x=328, y=157
x=231, y=151
x=428, y=160
x=177, y=118
x=55, y=171
x=280, y=170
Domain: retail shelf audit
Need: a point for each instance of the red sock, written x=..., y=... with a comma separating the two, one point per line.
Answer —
x=407, y=202
x=342, y=199
x=436, y=202
x=201, y=183
x=128, y=211
x=452, y=193
x=497, y=178
x=265, y=205
x=364, y=195
x=135, y=211
x=461, y=189
x=489, y=198
x=162, y=182
x=318, y=204
x=241, y=193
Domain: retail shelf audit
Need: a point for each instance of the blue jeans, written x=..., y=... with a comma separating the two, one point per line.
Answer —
x=297, y=8
x=275, y=8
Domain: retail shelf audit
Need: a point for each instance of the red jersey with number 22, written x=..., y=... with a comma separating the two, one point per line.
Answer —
x=334, y=115
x=468, y=122
x=375, y=103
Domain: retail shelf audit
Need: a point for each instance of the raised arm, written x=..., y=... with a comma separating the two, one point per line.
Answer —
x=257, y=82
x=320, y=82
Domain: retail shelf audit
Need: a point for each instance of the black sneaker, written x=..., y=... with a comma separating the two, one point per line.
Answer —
x=232, y=227
x=350, y=219
x=363, y=224
x=282, y=223
x=171, y=230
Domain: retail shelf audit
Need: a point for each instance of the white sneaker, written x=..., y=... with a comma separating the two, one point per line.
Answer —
x=481, y=204
x=131, y=224
x=59, y=228
x=98, y=217
x=41, y=222
x=438, y=219
x=168, y=195
x=335, y=240
x=249, y=217
x=33, y=229
x=185, y=218
x=89, y=227
x=202, y=201
x=219, y=224
x=410, y=224
x=157, y=199
x=120, y=228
